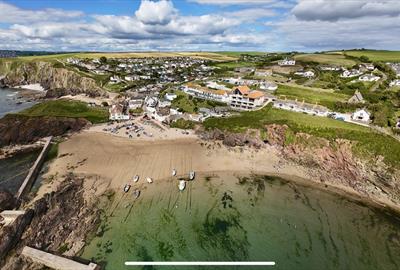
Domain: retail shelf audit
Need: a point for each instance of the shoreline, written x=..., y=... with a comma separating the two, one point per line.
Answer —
x=116, y=159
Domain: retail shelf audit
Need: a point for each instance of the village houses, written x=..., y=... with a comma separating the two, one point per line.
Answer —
x=287, y=62
x=361, y=115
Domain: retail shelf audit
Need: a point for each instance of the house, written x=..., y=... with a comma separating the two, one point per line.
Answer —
x=369, y=78
x=151, y=101
x=115, y=79
x=351, y=73
x=170, y=96
x=287, y=62
x=330, y=68
x=135, y=104
x=367, y=66
x=117, y=112
x=217, y=86
x=306, y=74
x=268, y=86
x=205, y=93
x=243, y=98
x=244, y=69
x=361, y=115
x=131, y=78
x=263, y=72
x=356, y=98
x=395, y=83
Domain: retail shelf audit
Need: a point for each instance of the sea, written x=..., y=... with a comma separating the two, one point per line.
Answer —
x=226, y=217
x=10, y=101
x=14, y=169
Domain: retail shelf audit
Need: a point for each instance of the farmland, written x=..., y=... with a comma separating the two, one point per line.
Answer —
x=379, y=56
x=329, y=59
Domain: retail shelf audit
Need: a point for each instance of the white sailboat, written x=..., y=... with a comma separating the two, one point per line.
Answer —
x=192, y=175
x=136, y=178
x=182, y=185
x=173, y=172
x=126, y=188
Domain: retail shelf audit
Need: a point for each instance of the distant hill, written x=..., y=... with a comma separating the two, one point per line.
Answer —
x=15, y=53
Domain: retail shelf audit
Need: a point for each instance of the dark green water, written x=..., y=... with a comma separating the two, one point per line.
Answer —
x=259, y=219
x=14, y=170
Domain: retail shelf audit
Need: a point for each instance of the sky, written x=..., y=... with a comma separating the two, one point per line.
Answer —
x=199, y=25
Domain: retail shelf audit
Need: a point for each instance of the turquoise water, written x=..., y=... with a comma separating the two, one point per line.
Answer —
x=9, y=102
x=226, y=218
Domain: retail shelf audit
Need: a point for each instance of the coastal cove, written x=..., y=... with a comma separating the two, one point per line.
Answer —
x=225, y=216
x=12, y=101
x=229, y=212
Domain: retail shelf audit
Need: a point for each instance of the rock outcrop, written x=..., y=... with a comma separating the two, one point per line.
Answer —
x=10, y=235
x=19, y=129
x=7, y=200
x=59, y=223
x=57, y=81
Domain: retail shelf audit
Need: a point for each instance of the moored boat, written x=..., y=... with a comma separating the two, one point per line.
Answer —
x=173, y=172
x=149, y=180
x=136, y=193
x=182, y=185
x=136, y=178
x=126, y=188
x=192, y=175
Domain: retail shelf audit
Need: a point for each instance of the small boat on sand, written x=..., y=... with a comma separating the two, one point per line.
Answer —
x=149, y=180
x=182, y=185
x=192, y=175
x=136, y=178
x=173, y=172
x=136, y=193
x=126, y=188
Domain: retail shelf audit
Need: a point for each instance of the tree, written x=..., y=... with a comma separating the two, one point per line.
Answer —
x=364, y=58
x=103, y=59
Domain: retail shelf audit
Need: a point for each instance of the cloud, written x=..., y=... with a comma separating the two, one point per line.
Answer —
x=161, y=12
x=327, y=10
x=13, y=14
x=233, y=2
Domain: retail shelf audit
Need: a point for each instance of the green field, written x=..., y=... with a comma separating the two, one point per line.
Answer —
x=201, y=55
x=329, y=59
x=379, y=56
x=235, y=64
x=64, y=108
x=325, y=98
x=368, y=142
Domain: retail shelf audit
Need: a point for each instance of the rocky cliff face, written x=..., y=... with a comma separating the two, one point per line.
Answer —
x=329, y=162
x=57, y=81
x=18, y=129
x=59, y=223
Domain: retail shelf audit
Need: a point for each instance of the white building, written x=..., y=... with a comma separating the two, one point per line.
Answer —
x=117, y=112
x=115, y=79
x=270, y=86
x=263, y=72
x=306, y=74
x=361, y=115
x=243, y=98
x=287, y=62
x=205, y=93
x=330, y=68
x=170, y=96
x=131, y=78
x=135, y=104
x=395, y=83
x=369, y=78
x=351, y=73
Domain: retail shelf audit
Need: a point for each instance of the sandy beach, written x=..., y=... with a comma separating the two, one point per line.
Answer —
x=109, y=161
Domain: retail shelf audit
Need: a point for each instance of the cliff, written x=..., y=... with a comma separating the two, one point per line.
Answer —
x=329, y=162
x=57, y=81
x=19, y=129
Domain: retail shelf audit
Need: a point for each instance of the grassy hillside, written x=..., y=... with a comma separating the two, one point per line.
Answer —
x=330, y=59
x=200, y=55
x=368, y=142
x=383, y=56
x=64, y=108
x=325, y=98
